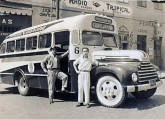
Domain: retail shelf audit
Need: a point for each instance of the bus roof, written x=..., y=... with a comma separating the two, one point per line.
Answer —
x=80, y=22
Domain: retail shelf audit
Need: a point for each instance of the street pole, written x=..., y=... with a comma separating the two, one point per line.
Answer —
x=57, y=9
x=51, y=10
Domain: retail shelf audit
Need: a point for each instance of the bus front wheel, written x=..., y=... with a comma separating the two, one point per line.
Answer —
x=110, y=92
x=23, y=87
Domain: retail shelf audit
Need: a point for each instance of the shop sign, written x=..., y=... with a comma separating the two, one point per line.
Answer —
x=149, y=23
x=4, y=34
x=47, y=12
x=97, y=6
x=7, y=21
x=142, y=31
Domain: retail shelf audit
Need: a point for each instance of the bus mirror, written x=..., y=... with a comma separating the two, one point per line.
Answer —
x=75, y=37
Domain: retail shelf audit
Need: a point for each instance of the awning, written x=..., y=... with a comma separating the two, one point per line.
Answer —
x=16, y=11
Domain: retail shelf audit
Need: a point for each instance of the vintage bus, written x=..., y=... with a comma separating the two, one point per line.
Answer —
x=119, y=71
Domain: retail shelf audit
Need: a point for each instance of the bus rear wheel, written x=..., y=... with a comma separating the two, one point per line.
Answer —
x=110, y=92
x=23, y=87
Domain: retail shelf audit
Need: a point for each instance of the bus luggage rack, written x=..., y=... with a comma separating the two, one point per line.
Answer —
x=146, y=72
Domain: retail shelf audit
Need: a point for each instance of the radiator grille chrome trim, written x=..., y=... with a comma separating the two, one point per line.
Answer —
x=146, y=72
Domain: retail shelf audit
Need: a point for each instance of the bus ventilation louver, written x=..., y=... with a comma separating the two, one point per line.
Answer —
x=146, y=72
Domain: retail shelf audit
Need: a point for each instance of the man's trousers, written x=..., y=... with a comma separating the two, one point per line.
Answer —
x=52, y=75
x=84, y=85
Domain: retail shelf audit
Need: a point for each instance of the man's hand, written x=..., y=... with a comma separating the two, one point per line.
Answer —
x=78, y=72
x=45, y=71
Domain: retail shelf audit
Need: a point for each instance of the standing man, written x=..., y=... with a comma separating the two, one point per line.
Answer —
x=51, y=66
x=83, y=70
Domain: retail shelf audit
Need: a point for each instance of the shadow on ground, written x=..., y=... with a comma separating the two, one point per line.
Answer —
x=130, y=103
x=143, y=104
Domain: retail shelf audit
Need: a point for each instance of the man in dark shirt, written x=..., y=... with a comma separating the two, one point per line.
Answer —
x=51, y=66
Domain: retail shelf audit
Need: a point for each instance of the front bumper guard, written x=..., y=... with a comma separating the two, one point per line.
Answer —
x=134, y=88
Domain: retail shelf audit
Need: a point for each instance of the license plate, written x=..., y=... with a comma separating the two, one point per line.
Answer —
x=152, y=82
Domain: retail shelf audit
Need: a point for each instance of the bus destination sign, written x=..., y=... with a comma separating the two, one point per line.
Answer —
x=102, y=26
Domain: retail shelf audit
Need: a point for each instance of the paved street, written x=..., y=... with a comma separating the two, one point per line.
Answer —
x=13, y=105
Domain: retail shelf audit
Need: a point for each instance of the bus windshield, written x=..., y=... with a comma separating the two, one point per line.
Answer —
x=97, y=39
x=109, y=40
x=91, y=38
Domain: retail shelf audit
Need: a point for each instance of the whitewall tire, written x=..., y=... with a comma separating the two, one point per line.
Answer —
x=110, y=92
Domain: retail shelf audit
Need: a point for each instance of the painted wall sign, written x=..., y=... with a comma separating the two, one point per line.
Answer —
x=47, y=12
x=142, y=31
x=149, y=23
x=98, y=6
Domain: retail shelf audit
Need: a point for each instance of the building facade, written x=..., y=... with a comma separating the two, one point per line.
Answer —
x=140, y=23
x=13, y=17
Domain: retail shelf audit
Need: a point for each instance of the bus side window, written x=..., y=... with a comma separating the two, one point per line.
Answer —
x=62, y=39
x=3, y=48
x=10, y=46
x=45, y=40
x=20, y=45
x=31, y=43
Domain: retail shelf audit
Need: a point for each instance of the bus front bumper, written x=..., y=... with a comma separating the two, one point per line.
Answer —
x=134, y=88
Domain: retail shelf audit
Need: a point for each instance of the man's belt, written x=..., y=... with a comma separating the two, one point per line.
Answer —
x=84, y=71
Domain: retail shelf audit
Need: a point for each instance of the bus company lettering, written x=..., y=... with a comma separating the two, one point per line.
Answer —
x=34, y=30
x=79, y=2
x=117, y=9
x=29, y=31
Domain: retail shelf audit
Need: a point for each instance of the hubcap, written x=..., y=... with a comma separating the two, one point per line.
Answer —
x=109, y=90
x=23, y=85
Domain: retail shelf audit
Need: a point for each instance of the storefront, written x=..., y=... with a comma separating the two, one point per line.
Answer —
x=149, y=39
x=12, y=20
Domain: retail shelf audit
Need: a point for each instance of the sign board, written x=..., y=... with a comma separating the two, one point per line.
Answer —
x=97, y=6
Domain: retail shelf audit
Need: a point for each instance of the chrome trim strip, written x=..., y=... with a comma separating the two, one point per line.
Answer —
x=131, y=88
x=148, y=76
x=6, y=73
x=43, y=75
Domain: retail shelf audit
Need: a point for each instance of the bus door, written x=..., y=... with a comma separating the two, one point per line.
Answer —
x=61, y=39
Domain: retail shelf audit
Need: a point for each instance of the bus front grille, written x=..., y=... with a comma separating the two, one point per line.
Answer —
x=146, y=72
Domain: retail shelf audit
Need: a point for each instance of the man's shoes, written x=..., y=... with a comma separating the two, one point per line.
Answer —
x=87, y=105
x=64, y=91
x=51, y=101
x=79, y=104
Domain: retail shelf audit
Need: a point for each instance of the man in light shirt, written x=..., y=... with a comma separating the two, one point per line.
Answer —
x=83, y=70
x=51, y=66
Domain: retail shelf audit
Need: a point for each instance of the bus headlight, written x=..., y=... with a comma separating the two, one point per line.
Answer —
x=134, y=77
x=159, y=73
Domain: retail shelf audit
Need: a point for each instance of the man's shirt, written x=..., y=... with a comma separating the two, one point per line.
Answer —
x=51, y=62
x=84, y=64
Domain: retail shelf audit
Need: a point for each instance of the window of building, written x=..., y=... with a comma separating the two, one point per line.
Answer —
x=45, y=41
x=3, y=48
x=10, y=46
x=62, y=39
x=142, y=3
x=141, y=42
x=20, y=45
x=158, y=6
x=9, y=29
x=123, y=1
x=31, y=43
